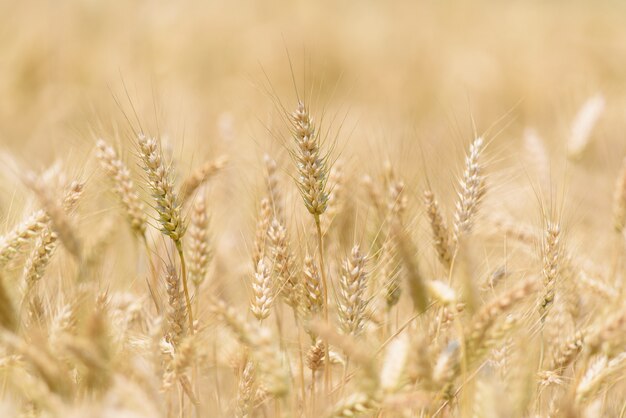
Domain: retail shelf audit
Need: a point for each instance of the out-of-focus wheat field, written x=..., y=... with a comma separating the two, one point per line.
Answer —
x=461, y=162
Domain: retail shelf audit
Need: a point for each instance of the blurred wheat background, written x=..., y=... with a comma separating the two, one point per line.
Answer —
x=400, y=93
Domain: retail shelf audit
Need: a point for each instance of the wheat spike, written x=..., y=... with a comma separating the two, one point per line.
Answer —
x=262, y=291
x=199, y=249
x=123, y=186
x=352, y=302
x=441, y=235
x=471, y=191
x=162, y=188
x=200, y=176
x=311, y=165
x=176, y=313
x=552, y=253
x=40, y=257
x=289, y=286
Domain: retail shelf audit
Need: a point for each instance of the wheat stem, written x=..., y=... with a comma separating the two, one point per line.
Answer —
x=320, y=244
x=183, y=265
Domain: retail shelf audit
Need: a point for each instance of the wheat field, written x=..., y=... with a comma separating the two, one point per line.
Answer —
x=312, y=209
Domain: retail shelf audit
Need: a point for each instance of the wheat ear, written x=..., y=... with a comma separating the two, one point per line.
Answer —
x=199, y=250
x=201, y=176
x=471, y=191
x=441, y=234
x=57, y=215
x=352, y=302
x=262, y=295
x=123, y=186
x=245, y=392
x=38, y=261
x=12, y=243
x=289, y=285
x=162, y=188
x=313, y=304
x=551, y=253
x=273, y=187
x=176, y=307
x=619, y=200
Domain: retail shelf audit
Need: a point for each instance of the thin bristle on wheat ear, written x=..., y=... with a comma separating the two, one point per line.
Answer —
x=471, y=191
x=123, y=186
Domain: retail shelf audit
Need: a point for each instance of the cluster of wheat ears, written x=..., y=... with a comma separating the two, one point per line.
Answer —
x=340, y=320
